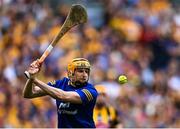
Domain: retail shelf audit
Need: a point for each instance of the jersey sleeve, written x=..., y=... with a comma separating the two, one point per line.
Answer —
x=87, y=95
x=57, y=83
x=53, y=83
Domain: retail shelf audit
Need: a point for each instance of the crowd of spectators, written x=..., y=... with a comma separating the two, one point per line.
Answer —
x=138, y=38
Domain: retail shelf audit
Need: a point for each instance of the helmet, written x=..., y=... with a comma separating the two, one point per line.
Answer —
x=77, y=63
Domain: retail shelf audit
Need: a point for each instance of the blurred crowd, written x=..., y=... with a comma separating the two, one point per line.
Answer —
x=138, y=38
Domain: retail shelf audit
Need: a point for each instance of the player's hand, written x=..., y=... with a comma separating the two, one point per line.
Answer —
x=34, y=67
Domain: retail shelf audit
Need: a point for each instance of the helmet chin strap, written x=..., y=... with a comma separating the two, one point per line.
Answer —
x=79, y=84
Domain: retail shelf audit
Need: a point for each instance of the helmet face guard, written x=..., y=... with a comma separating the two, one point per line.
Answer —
x=75, y=64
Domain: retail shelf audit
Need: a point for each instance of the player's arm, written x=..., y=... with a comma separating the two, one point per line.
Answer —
x=32, y=91
x=67, y=96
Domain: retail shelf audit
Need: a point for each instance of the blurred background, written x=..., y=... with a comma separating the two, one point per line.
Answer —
x=138, y=38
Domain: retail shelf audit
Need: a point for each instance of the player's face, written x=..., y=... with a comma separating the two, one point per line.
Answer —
x=81, y=75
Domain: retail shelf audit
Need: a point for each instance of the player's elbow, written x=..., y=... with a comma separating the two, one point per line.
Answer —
x=72, y=97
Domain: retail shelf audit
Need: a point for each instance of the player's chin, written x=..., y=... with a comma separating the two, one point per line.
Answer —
x=83, y=80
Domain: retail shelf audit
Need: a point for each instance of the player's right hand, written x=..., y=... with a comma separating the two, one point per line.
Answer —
x=34, y=68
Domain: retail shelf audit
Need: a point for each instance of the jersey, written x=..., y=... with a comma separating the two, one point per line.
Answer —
x=76, y=115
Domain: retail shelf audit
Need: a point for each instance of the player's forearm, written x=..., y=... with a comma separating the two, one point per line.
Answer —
x=53, y=92
x=58, y=93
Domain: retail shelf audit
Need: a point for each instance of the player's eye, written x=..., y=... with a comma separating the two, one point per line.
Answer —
x=86, y=70
x=83, y=70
